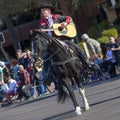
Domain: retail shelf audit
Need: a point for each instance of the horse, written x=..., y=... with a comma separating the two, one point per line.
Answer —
x=66, y=67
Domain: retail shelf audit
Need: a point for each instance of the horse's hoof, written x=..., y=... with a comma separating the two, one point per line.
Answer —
x=78, y=111
x=87, y=108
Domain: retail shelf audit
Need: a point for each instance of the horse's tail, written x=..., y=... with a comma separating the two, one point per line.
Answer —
x=62, y=94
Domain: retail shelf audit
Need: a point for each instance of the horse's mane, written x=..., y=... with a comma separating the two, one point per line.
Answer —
x=51, y=39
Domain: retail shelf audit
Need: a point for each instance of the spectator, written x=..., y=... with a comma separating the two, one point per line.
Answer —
x=20, y=56
x=1, y=75
x=1, y=92
x=41, y=87
x=115, y=47
x=29, y=64
x=109, y=63
x=109, y=55
x=15, y=69
x=99, y=61
x=24, y=87
x=5, y=69
x=92, y=44
x=1, y=84
x=11, y=91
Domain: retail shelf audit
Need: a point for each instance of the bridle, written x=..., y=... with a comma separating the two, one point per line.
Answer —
x=65, y=61
x=58, y=63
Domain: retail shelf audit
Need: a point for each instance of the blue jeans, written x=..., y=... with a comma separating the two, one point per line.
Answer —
x=42, y=88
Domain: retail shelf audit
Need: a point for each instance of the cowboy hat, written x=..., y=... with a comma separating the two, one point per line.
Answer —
x=46, y=5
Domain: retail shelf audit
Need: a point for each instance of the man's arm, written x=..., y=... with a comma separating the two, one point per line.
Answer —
x=114, y=49
x=64, y=20
x=117, y=47
x=26, y=77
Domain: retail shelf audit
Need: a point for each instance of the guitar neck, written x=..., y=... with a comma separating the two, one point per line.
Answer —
x=50, y=29
x=69, y=31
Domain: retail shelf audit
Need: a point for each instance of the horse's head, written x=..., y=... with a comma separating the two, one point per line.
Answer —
x=44, y=42
x=40, y=43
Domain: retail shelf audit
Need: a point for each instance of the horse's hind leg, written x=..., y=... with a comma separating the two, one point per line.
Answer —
x=72, y=96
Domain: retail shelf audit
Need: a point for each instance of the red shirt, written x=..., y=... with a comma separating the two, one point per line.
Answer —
x=24, y=78
x=56, y=19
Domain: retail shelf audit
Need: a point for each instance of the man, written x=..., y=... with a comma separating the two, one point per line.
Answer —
x=29, y=64
x=24, y=87
x=1, y=75
x=49, y=18
x=115, y=47
x=92, y=44
x=5, y=69
x=20, y=57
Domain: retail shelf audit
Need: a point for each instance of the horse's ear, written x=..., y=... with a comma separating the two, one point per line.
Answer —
x=32, y=32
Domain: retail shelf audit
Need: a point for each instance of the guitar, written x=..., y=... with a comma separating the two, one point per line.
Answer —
x=69, y=31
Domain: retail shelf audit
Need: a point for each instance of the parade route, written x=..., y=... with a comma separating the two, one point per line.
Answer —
x=103, y=97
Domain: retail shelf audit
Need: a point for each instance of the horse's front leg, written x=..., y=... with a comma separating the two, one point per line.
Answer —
x=85, y=102
x=82, y=92
x=84, y=99
x=68, y=85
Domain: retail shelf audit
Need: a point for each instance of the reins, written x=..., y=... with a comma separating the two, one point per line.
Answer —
x=65, y=61
x=58, y=63
x=51, y=56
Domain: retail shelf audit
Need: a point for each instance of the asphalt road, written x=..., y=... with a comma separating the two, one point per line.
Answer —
x=103, y=97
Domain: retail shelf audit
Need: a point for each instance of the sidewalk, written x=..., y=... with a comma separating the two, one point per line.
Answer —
x=31, y=100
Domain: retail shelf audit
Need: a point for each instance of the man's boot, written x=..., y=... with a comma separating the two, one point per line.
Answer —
x=89, y=65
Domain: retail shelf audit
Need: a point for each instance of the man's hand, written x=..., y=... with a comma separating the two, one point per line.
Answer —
x=64, y=25
x=31, y=32
x=38, y=30
x=34, y=30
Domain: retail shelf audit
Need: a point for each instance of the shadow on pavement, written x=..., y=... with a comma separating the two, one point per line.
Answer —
x=62, y=116
x=118, y=97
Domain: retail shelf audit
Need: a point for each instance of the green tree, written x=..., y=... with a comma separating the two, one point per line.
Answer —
x=76, y=4
x=10, y=8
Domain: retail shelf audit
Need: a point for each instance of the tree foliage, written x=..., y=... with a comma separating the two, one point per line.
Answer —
x=13, y=7
x=9, y=8
x=76, y=4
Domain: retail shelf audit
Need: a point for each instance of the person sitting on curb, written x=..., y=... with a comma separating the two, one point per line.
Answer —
x=24, y=87
x=10, y=91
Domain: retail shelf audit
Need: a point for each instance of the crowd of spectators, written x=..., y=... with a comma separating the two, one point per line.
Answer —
x=109, y=61
x=20, y=80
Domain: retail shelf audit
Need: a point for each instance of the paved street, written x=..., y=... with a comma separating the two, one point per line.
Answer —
x=103, y=97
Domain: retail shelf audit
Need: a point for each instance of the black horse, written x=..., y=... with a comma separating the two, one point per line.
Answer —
x=66, y=67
